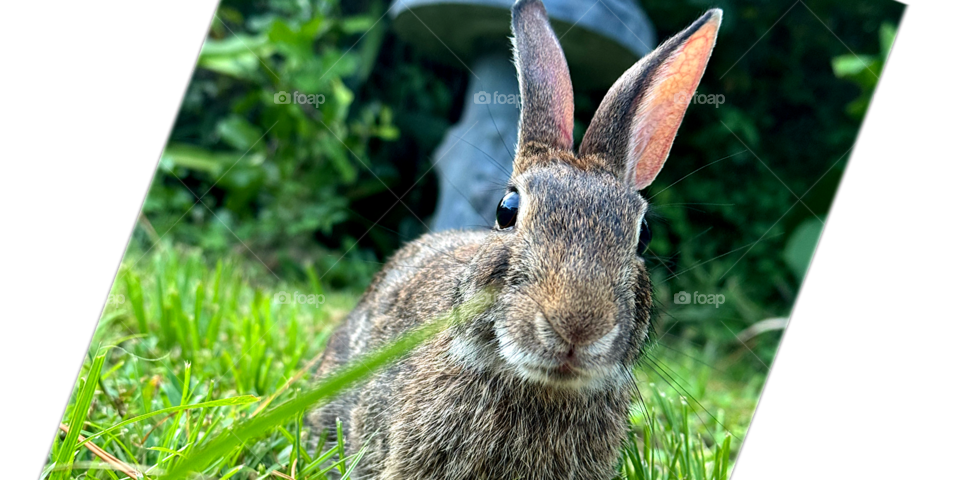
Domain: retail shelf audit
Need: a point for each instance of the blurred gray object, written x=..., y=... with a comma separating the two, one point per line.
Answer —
x=600, y=40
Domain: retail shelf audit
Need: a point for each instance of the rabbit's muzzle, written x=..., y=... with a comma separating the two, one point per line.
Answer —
x=564, y=344
x=574, y=328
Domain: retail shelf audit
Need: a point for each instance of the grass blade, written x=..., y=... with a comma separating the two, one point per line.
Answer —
x=341, y=449
x=326, y=389
x=80, y=408
x=225, y=402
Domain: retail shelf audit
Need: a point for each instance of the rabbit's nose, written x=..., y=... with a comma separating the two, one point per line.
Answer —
x=577, y=329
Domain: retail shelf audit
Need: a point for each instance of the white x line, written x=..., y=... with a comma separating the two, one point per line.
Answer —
x=24, y=374
x=21, y=177
x=800, y=198
x=807, y=391
x=949, y=449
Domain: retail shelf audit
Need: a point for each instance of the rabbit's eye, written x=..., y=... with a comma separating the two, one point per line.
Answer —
x=645, y=236
x=507, y=210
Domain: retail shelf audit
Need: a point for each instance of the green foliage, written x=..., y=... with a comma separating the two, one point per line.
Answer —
x=205, y=368
x=692, y=417
x=191, y=351
x=679, y=455
x=240, y=167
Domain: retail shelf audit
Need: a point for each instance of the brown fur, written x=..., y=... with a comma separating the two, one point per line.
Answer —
x=538, y=386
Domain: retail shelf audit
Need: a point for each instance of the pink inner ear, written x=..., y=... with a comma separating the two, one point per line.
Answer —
x=662, y=107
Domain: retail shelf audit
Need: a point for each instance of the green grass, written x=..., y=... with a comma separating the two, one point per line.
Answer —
x=201, y=368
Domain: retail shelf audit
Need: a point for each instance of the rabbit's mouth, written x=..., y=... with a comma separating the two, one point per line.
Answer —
x=565, y=375
x=568, y=370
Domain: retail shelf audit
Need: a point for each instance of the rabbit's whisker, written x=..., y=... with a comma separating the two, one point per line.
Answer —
x=493, y=161
x=659, y=369
x=693, y=172
x=749, y=245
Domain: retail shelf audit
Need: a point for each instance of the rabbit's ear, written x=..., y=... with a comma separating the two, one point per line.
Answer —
x=634, y=127
x=546, y=93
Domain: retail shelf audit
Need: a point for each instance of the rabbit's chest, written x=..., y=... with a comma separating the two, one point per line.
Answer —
x=457, y=424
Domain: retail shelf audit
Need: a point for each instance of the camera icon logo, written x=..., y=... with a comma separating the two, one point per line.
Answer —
x=481, y=98
x=881, y=298
x=681, y=298
x=281, y=97
x=82, y=98
x=283, y=297
x=82, y=298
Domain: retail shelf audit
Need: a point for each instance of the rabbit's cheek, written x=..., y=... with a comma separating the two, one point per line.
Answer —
x=512, y=352
x=545, y=333
x=469, y=353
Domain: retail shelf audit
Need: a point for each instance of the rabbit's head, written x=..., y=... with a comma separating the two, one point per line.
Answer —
x=575, y=301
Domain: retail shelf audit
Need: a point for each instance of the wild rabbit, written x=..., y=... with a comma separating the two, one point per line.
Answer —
x=538, y=386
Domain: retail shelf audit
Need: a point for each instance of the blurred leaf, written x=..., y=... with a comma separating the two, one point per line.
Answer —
x=850, y=65
x=191, y=157
x=888, y=33
x=864, y=70
x=801, y=245
x=237, y=132
x=234, y=45
x=360, y=24
x=237, y=56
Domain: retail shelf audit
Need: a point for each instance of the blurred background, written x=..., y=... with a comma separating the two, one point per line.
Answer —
x=315, y=138
x=312, y=189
